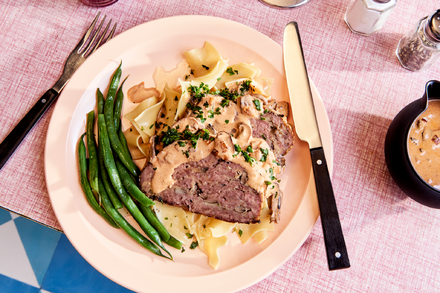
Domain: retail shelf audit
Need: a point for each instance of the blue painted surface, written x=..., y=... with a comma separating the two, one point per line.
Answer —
x=39, y=242
x=57, y=266
x=69, y=272
x=8, y=285
x=5, y=216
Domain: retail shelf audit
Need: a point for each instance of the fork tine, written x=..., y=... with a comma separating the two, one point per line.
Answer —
x=94, y=37
x=98, y=43
x=111, y=33
x=87, y=34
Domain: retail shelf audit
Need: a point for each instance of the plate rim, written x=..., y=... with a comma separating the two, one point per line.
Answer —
x=310, y=201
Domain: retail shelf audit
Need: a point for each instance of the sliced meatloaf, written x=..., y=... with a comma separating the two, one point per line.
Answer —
x=275, y=131
x=211, y=187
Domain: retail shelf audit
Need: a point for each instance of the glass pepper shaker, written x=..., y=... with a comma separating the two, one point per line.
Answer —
x=366, y=17
x=420, y=48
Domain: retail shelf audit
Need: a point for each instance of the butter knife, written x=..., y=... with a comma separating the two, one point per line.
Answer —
x=306, y=126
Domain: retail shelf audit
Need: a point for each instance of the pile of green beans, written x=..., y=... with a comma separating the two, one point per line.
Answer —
x=108, y=177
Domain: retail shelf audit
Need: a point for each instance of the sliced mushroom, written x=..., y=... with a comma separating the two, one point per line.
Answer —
x=224, y=145
x=244, y=134
x=261, y=98
x=283, y=108
x=248, y=107
x=139, y=93
x=274, y=202
x=192, y=123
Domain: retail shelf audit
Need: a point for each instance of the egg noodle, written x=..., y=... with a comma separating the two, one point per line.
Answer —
x=168, y=100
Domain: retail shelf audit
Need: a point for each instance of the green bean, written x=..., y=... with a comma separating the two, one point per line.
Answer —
x=93, y=158
x=111, y=193
x=130, y=186
x=110, y=164
x=123, y=141
x=110, y=124
x=160, y=228
x=118, y=105
x=85, y=185
x=123, y=223
x=154, y=221
x=173, y=242
x=100, y=101
x=107, y=154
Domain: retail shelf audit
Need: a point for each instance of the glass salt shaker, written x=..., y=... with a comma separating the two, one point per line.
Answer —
x=366, y=17
x=420, y=48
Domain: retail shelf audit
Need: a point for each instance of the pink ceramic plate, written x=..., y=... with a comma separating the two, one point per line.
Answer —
x=143, y=48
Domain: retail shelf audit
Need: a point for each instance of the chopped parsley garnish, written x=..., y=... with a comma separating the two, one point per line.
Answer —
x=249, y=149
x=262, y=118
x=206, y=104
x=267, y=182
x=245, y=86
x=244, y=153
x=183, y=249
x=193, y=245
x=226, y=121
x=224, y=103
x=257, y=104
x=266, y=111
x=205, y=134
x=206, y=67
x=265, y=153
x=198, y=92
x=171, y=135
x=275, y=162
x=151, y=126
x=231, y=71
x=186, y=77
x=186, y=153
x=218, y=79
x=189, y=235
x=263, y=136
x=240, y=232
x=166, y=218
x=182, y=143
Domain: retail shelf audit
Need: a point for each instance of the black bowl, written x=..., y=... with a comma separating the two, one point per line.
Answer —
x=396, y=150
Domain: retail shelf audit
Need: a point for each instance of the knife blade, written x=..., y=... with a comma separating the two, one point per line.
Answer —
x=306, y=126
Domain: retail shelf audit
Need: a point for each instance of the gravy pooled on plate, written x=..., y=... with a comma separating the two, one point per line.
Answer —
x=424, y=144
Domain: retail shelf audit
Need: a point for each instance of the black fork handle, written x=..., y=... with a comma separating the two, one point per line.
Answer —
x=16, y=136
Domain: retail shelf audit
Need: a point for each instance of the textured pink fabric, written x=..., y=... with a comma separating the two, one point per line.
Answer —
x=393, y=242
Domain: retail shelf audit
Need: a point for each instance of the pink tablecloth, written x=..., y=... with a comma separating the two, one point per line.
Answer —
x=393, y=242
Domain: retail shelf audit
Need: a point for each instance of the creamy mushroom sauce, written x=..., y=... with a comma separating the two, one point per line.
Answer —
x=229, y=126
x=424, y=144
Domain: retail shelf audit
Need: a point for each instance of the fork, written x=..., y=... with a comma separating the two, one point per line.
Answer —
x=86, y=46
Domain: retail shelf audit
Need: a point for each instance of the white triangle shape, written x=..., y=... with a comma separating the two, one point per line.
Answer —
x=14, y=261
x=14, y=215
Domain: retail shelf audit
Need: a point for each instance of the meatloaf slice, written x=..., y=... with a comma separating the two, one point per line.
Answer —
x=211, y=187
x=275, y=131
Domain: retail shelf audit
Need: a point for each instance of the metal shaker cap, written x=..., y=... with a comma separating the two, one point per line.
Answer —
x=434, y=26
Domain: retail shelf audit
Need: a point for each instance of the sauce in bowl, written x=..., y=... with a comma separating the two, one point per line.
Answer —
x=424, y=144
